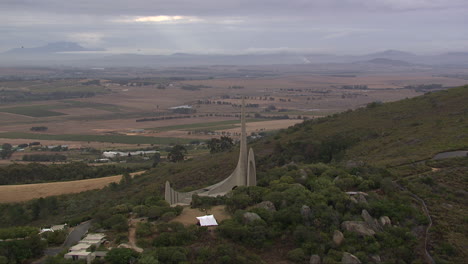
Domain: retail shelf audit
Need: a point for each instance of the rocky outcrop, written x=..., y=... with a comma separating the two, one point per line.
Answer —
x=373, y=223
x=250, y=217
x=349, y=259
x=306, y=214
x=303, y=174
x=315, y=259
x=385, y=220
x=359, y=227
x=361, y=198
x=338, y=238
x=266, y=205
x=375, y=259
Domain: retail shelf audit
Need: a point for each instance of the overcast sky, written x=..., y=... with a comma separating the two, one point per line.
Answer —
x=238, y=26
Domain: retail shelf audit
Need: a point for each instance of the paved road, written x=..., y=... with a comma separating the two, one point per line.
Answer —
x=451, y=154
x=77, y=234
x=72, y=238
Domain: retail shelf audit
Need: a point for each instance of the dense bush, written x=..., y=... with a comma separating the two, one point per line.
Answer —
x=44, y=157
x=18, y=232
x=17, y=251
x=35, y=172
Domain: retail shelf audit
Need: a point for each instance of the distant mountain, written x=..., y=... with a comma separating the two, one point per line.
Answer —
x=54, y=47
x=391, y=53
x=73, y=54
x=389, y=62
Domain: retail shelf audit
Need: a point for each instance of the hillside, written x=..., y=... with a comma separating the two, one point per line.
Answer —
x=400, y=137
x=304, y=172
x=386, y=135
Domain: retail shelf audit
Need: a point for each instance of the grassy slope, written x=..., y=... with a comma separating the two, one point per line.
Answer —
x=395, y=133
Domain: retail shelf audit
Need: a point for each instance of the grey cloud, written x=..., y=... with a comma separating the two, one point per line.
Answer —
x=241, y=25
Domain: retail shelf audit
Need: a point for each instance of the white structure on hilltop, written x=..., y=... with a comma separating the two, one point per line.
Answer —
x=243, y=175
x=207, y=220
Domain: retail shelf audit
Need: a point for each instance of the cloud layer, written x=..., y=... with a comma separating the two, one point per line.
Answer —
x=206, y=26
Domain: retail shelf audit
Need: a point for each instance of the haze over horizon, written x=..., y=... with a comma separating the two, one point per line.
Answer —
x=234, y=27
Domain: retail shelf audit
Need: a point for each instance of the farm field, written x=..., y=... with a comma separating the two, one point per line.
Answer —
x=110, y=112
x=31, y=111
x=26, y=192
x=96, y=138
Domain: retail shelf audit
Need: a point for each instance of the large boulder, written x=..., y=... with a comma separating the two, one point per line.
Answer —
x=338, y=238
x=349, y=259
x=359, y=227
x=361, y=198
x=315, y=259
x=266, y=205
x=375, y=259
x=373, y=223
x=306, y=213
x=250, y=217
x=385, y=220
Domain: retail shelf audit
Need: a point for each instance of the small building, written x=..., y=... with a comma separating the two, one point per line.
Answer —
x=180, y=107
x=78, y=251
x=79, y=247
x=54, y=228
x=207, y=220
x=44, y=230
x=78, y=255
x=102, y=160
x=58, y=227
x=94, y=239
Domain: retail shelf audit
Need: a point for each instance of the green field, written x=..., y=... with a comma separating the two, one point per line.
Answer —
x=99, y=138
x=206, y=126
x=47, y=110
x=32, y=111
x=41, y=86
x=99, y=106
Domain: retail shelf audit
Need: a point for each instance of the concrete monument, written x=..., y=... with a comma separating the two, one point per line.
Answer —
x=243, y=175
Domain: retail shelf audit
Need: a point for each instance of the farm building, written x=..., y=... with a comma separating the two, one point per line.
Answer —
x=78, y=251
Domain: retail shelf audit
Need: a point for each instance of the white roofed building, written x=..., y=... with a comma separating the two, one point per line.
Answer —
x=207, y=220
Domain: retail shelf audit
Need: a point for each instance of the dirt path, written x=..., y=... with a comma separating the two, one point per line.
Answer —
x=25, y=192
x=426, y=254
x=132, y=234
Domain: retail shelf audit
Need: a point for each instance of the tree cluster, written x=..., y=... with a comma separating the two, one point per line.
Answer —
x=220, y=144
x=177, y=153
x=7, y=151
x=35, y=172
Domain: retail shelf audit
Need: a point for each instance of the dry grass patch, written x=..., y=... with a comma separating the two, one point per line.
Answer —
x=26, y=192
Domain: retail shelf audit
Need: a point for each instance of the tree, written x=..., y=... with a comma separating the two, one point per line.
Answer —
x=220, y=145
x=121, y=256
x=147, y=259
x=156, y=159
x=177, y=153
x=7, y=150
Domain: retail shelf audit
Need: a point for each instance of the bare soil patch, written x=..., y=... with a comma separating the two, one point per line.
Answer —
x=266, y=125
x=82, y=111
x=26, y=192
x=188, y=215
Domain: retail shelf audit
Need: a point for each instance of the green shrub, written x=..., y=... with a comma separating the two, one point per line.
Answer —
x=297, y=255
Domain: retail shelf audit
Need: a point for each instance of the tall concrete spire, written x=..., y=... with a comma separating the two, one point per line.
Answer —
x=243, y=175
